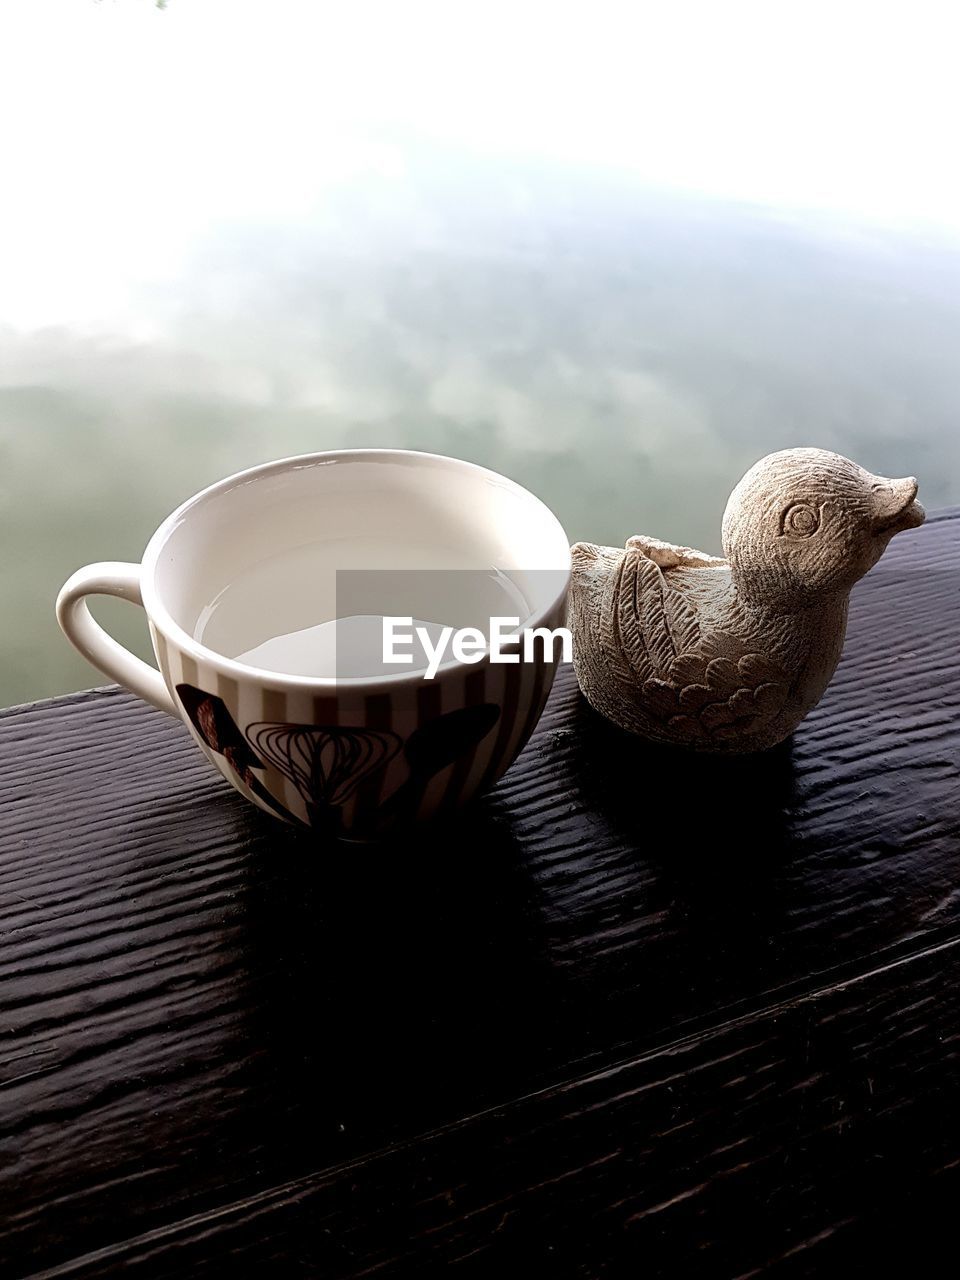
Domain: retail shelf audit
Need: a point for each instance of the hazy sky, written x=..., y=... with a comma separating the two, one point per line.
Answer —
x=616, y=252
x=112, y=110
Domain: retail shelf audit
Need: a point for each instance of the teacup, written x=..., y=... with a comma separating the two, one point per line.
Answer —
x=252, y=558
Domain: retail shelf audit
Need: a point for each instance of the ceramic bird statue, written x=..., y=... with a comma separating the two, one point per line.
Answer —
x=730, y=654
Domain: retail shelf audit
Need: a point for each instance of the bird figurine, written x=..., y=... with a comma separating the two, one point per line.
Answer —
x=729, y=654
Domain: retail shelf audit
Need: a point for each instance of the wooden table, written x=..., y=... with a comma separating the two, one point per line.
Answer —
x=634, y=1014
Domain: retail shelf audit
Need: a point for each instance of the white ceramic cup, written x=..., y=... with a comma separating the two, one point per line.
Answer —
x=351, y=756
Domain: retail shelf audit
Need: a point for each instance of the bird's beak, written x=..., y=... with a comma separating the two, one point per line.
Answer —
x=895, y=505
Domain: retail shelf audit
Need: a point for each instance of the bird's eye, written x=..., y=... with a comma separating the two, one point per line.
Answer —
x=800, y=520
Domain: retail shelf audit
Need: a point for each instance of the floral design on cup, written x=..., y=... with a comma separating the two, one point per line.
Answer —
x=327, y=764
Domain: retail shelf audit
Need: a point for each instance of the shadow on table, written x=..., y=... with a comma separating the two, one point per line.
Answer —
x=722, y=817
x=688, y=871
x=455, y=964
x=389, y=984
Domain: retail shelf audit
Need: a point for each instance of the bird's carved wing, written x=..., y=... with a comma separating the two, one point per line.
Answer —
x=675, y=668
x=652, y=624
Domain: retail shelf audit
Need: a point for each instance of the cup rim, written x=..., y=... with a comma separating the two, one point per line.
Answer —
x=161, y=618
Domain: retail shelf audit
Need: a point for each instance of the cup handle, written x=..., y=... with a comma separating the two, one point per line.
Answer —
x=89, y=638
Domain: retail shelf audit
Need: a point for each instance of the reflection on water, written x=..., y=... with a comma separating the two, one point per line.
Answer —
x=624, y=354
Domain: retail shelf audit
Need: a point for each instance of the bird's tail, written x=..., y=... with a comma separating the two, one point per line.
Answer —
x=584, y=554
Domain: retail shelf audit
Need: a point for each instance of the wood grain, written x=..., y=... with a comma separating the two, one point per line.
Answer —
x=771, y=1145
x=208, y=1020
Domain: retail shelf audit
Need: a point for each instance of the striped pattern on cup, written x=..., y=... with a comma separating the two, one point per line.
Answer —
x=357, y=760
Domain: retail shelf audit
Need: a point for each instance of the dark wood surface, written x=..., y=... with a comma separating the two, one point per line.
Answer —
x=634, y=1014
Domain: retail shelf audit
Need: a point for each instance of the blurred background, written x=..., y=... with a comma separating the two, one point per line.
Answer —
x=614, y=251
